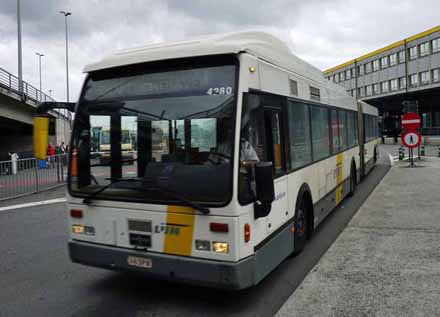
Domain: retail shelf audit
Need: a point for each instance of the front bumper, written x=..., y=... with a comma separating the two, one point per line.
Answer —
x=237, y=275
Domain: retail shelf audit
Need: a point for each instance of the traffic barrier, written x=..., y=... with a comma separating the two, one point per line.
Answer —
x=27, y=176
x=401, y=153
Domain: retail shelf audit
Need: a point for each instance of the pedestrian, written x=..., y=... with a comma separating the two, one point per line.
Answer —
x=50, y=153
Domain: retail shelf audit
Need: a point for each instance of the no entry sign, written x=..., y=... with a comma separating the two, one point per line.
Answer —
x=411, y=139
x=410, y=121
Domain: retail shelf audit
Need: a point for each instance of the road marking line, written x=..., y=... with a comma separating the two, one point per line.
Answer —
x=35, y=203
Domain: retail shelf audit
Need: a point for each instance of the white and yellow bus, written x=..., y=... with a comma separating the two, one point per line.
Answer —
x=257, y=148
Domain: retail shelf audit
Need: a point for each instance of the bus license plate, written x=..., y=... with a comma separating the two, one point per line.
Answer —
x=139, y=262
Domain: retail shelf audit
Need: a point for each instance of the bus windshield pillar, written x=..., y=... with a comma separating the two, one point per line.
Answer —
x=144, y=146
x=115, y=137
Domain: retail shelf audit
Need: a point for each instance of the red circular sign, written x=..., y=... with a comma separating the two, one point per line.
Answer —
x=410, y=121
x=411, y=139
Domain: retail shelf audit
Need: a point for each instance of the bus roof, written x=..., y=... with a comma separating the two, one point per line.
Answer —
x=259, y=44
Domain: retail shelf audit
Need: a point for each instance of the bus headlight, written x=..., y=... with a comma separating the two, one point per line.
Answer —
x=78, y=229
x=220, y=247
x=81, y=229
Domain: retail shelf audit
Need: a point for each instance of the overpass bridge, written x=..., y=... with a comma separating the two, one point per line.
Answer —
x=17, y=109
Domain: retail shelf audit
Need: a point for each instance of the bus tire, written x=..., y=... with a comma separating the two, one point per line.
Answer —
x=375, y=155
x=353, y=180
x=301, y=224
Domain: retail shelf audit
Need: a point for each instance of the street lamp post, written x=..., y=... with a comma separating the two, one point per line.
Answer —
x=39, y=63
x=66, y=14
x=20, y=67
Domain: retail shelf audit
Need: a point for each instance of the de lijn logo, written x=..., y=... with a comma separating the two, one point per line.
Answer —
x=172, y=229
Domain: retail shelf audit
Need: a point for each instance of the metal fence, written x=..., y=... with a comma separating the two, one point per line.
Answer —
x=27, y=176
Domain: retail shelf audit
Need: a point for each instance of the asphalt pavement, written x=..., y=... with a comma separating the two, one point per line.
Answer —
x=38, y=279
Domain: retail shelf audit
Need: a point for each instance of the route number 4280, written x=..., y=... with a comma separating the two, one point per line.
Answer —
x=219, y=91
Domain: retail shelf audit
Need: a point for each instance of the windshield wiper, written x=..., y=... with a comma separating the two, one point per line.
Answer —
x=180, y=198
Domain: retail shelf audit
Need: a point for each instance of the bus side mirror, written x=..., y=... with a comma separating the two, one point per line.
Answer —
x=265, y=189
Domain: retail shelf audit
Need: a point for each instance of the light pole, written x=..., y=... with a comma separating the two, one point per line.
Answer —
x=20, y=67
x=66, y=14
x=39, y=59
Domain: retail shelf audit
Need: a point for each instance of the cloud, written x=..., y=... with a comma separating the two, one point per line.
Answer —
x=324, y=33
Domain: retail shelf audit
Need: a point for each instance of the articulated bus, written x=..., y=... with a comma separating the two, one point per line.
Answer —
x=253, y=149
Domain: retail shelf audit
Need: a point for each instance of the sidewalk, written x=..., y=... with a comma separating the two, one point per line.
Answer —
x=387, y=260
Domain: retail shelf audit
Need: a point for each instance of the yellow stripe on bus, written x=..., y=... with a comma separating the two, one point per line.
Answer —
x=339, y=166
x=180, y=229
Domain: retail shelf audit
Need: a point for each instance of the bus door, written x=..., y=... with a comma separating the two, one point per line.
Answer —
x=361, y=135
x=275, y=151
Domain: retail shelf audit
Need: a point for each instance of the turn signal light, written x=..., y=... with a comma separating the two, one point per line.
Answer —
x=218, y=227
x=247, y=232
x=76, y=213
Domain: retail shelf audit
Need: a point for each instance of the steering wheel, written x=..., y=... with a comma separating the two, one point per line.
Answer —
x=221, y=155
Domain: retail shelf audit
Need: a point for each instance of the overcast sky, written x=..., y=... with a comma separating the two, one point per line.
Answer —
x=324, y=33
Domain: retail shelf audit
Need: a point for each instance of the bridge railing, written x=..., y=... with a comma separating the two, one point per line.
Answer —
x=29, y=93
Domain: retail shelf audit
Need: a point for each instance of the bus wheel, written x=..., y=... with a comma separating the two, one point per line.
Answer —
x=375, y=155
x=352, y=181
x=301, y=226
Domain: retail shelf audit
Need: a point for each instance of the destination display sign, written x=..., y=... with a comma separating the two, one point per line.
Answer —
x=218, y=80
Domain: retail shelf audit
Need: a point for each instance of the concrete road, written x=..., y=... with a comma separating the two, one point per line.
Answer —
x=37, y=278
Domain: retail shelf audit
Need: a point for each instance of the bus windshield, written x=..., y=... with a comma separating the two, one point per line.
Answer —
x=180, y=123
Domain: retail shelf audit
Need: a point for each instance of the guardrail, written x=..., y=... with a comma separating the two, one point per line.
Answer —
x=27, y=176
x=28, y=93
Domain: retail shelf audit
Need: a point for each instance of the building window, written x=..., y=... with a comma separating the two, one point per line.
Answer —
x=393, y=59
x=424, y=49
x=360, y=70
x=353, y=72
x=435, y=45
x=341, y=76
x=424, y=78
x=393, y=84
x=384, y=62
x=369, y=90
x=413, y=80
x=375, y=65
x=376, y=89
x=368, y=68
x=293, y=87
x=412, y=52
x=361, y=91
x=348, y=74
x=436, y=75
x=384, y=85
x=401, y=56
x=315, y=94
x=336, y=78
x=402, y=82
